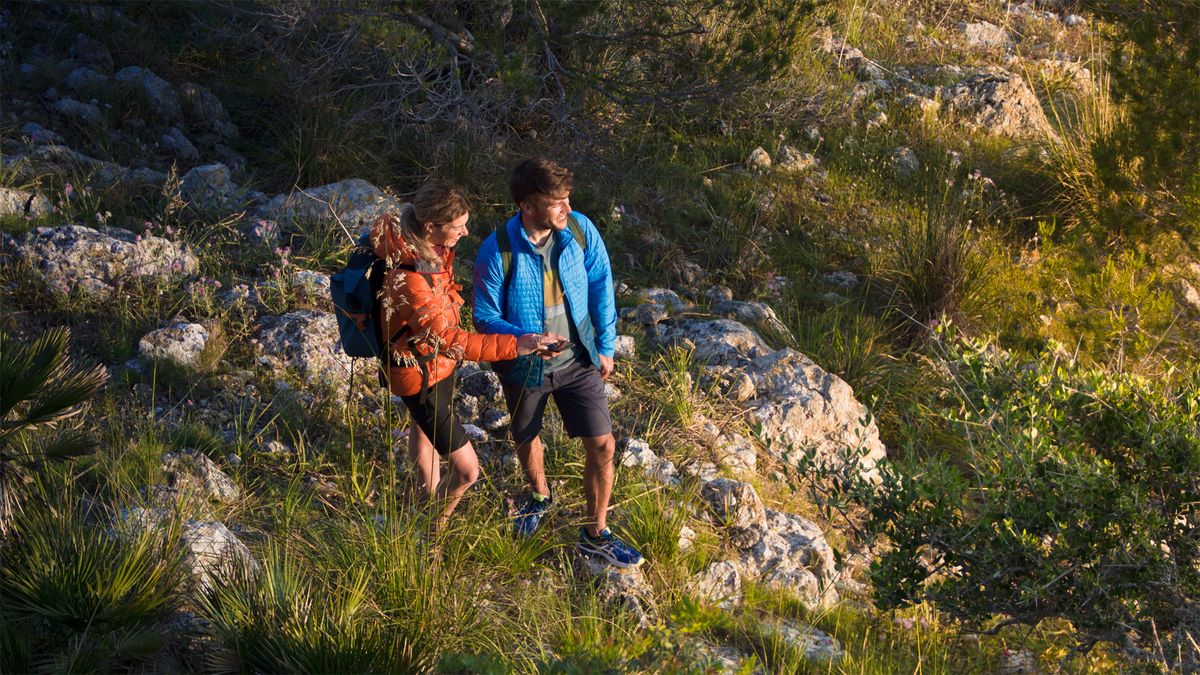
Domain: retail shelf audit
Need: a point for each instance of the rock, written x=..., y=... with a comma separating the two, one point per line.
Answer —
x=877, y=121
x=792, y=160
x=686, y=537
x=88, y=51
x=983, y=35
x=484, y=384
x=495, y=420
x=60, y=160
x=626, y=348
x=84, y=80
x=210, y=187
x=702, y=471
x=716, y=294
x=737, y=453
x=203, y=111
x=758, y=160
x=1016, y=662
x=22, y=203
x=852, y=59
x=39, y=135
x=611, y=392
x=720, y=584
x=163, y=100
x=475, y=434
x=179, y=145
x=638, y=455
x=192, y=471
x=182, y=343
x=758, y=314
x=622, y=587
x=802, y=407
x=735, y=506
x=647, y=315
x=98, y=262
x=705, y=657
x=791, y=554
x=717, y=341
x=77, y=112
x=732, y=383
x=311, y=287
x=663, y=297
x=816, y=645
x=904, y=162
x=355, y=202
x=211, y=551
x=306, y=341
x=1000, y=103
x=840, y=278
x=921, y=106
x=1073, y=20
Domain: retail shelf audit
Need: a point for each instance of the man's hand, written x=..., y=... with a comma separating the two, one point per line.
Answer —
x=606, y=366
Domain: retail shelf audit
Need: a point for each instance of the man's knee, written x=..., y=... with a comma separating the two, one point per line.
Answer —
x=601, y=449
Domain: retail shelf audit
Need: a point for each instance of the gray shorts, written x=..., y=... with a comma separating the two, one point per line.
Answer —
x=579, y=394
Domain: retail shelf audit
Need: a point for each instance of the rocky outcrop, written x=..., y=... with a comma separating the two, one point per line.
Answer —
x=1000, y=103
x=637, y=454
x=60, y=160
x=791, y=554
x=307, y=342
x=22, y=203
x=181, y=342
x=211, y=551
x=716, y=341
x=98, y=262
x=159, y=94
x=191, y=471
x=720, y=583
x=355, y=203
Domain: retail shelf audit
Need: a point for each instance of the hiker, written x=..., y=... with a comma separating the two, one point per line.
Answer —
x=420, y=312
x=547, y=269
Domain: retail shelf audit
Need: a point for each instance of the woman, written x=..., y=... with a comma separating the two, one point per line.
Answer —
x=420, y=310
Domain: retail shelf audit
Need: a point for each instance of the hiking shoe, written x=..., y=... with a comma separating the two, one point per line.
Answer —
x=608, y=547
x=530, y=516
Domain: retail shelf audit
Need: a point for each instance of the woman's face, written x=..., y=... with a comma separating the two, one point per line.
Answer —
x=448, y=235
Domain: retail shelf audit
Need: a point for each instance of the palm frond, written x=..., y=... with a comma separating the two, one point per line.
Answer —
x=59, y=400
x=24, y=369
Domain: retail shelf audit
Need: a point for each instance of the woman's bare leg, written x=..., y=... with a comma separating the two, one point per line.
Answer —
x=425, y=461
x=464, y=471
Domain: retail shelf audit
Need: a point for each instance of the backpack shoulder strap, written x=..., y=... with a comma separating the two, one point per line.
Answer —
x=504, y=245
x=577, y=231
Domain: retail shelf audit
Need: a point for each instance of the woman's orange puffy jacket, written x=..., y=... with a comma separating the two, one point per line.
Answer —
x=421, y=309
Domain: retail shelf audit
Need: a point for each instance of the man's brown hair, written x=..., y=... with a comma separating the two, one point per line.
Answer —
x=539, y=176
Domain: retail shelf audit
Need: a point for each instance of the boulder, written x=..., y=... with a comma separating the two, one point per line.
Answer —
x=791, y=554
x=495, y=420
x=22, y=203
x=39, y=135
x=178, y=144
x=717, y=341
x=736, y=453
x=203, y=111
x=626, y=348
x=664, y=297
x=78, y=112
x=647, y=315
x=210, y=187
x=637, y=455
x=852, y=59
x=60, y=160
x=815, y=644
x=792, y=160
x=211, y=551
x=163, y=100
x=92, y=53
x=84, y=80
x=736, y=506
x=621, y=587
x=757, y=314
x=904, y=162
x=192, y=471
x=801, y=407
x=758, y=160
x=307, y=341
x=180, y=342
x=720, y=584
x=354, y=202
x=732, y=383
x=1000, y=103
x=98, y=262
x=484, y=384
x=983, y=35
x=840, y=278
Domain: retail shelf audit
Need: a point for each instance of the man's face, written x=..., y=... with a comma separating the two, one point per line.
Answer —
x=548, y=210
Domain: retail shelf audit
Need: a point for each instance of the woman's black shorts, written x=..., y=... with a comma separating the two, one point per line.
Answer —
x=436, y=417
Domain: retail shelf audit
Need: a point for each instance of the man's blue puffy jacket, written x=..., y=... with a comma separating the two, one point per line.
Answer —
x=519, y=309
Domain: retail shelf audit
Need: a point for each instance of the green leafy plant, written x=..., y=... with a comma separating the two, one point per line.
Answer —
x=40, y=391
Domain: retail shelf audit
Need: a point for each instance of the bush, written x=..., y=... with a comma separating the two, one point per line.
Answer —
x=1075, y=500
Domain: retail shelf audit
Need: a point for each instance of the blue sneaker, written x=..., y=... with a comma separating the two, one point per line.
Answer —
x=530, y=516
x=609, y=547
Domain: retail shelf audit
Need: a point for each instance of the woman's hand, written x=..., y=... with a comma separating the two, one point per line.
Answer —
x=530, y=343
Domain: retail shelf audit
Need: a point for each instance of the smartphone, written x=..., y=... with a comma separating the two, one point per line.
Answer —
x=556, y=347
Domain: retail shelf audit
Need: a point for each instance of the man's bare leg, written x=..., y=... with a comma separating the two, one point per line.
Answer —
x=598, y=480
x=532, y=456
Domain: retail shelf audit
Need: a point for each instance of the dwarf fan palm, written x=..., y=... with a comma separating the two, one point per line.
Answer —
x=40, y=389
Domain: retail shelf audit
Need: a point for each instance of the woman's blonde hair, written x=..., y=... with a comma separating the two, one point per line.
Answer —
x=438, y=203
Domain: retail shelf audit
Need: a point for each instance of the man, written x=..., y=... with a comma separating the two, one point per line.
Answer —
x=547, y=271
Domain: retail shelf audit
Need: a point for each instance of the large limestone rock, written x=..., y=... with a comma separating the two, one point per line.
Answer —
x=852, y=59
x=1000, y=103
x=204, y=111
x=211, y=551
x=210, y=187
x=717, y=341
x=60, y=160
x=801, y=407
x=792, y=554
x=736, y=507
x=158, y=92
x=815, y=644
x=623, y=587
x=757, y=314
x=193, y=472
x=637, y=455
x=22, y=203
x=180, y=342
x=354, y=202
x=306, y=341
x=98, y=262
x=983, y=34
x=720, y=584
